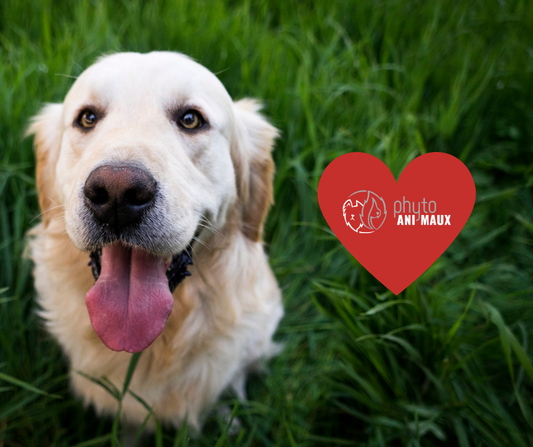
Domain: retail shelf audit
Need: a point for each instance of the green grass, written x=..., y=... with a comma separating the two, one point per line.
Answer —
x=450, y=362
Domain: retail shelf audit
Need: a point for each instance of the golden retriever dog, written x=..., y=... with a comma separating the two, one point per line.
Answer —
x=146, y=174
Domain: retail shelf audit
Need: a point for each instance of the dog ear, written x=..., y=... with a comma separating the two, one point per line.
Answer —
x=46, y=127
x=251, y=151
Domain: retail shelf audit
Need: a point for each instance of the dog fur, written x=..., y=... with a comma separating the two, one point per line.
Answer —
x=218, y=181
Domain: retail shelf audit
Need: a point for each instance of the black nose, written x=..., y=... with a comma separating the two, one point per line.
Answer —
x=119, y=195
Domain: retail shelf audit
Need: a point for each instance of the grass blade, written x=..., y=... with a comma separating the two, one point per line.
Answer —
x=27, y=386
x=131, y=369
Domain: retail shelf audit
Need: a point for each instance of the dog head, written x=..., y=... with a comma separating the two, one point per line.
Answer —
x=147, y=151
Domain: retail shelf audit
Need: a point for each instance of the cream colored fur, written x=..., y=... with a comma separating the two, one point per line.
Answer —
x=219, y=181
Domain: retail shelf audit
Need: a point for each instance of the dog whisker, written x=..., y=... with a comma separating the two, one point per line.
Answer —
x=194, y=238
x=209, y=225
x=47, y=211
x=213, y=230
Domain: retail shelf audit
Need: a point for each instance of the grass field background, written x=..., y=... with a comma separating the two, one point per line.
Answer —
x=448, y=361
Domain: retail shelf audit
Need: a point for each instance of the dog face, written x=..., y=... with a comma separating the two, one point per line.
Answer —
x=127, y=111
x=146, y=151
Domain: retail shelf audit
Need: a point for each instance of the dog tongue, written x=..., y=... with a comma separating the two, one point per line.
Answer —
x=131, y=301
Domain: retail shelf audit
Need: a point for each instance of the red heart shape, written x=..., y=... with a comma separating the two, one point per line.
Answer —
x=362, y=204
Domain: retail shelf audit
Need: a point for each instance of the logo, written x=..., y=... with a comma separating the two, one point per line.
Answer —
x=364, y=212
x=427, y=206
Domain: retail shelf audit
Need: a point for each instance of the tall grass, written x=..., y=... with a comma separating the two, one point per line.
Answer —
x=447, y=362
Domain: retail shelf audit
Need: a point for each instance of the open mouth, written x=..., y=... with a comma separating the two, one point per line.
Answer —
x=176, y=271
x=132, y=297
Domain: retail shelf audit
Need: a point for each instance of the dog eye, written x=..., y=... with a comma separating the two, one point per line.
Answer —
x=87, y=119
x=191, y=119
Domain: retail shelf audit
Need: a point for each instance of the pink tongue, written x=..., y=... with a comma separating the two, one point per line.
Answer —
x=130, y=303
